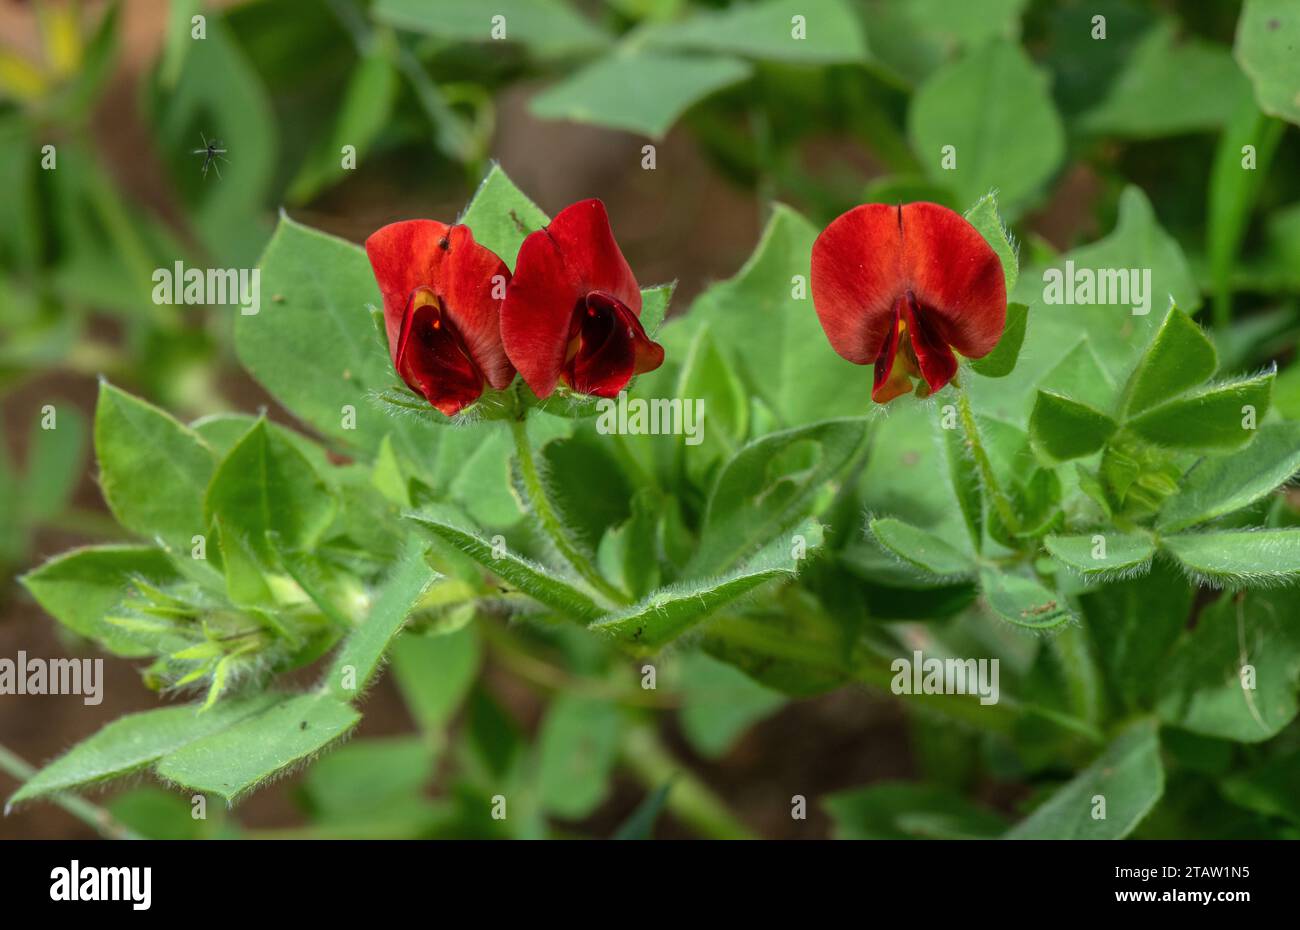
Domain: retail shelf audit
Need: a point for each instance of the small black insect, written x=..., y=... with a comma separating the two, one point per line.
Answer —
x=212, y=152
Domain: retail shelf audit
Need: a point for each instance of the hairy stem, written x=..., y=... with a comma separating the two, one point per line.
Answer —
x=1001, y=503
x=550, y=520
x=103, y=823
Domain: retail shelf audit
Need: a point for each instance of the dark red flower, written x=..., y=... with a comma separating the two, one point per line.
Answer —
x=915, y=281
x=572, y=310
x=442, y=306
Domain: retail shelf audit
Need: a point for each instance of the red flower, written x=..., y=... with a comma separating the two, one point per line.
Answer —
x=917, y=278
x=442, y=303
x=572, y=308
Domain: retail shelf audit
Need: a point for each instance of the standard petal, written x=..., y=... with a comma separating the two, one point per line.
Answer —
x=469, y=280
x=472, y=282
x=539, y=309
x=956, y=276
x=586, y=240
x=857, y=277
x=402, y=256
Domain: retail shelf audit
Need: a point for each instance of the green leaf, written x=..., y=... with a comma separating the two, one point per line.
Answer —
x=640, y=825
x=1133, y=624
x=1233, y=194
x=707, y=377
x=1022, y=601
x=361, y=115
x=1002, y=360
x=629, y=554
x=246, y=584
x=966, y=485
x=1103, y=555
x=638, y=90
x=654, y=306
x=363, y=650
x=1080, y=376
x=769, y=486
x=79, y=588
x=435, y=673
x=501, y=216
x=571, y=467
x=994, y=107
x=265, y=485
x=1179, y=358
x=130, y=743
x=178, y=40
x=549, y=26
x=670, y=612
x=1234, y=676
x=1128, y=775
x=232, y=761
x=1215, y=417
x=577, y=748
x=471, y=466
x=152, y=812
x=763, y=320
x=900, y=811
x=984, y=216
x=319, y=287
x=365, y=775
x=1062, y=429
x=1267, y=36
x=765, y=30
x=1117, y=335
x=1286, y=393
x=543, y=585
x=922, y=549
x=152, y=470
x=1268, y=788
x=55, y=462
x=1172, y=83
x=719, y=703
x=1222, y=484
x=223, y=431
x=1246, y=558
x=912, y=38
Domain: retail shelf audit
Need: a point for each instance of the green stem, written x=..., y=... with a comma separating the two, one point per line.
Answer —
x=550, y=520
x=547, y=677
x=1001, y=503
x=104, y=823
x=690, y=800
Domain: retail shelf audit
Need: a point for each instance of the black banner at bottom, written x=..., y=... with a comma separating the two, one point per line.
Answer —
x=332, y=879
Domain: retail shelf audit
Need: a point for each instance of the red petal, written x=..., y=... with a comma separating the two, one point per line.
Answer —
x=432, y=357
x=889, y=381
x=871, y=256
x=957, y=278
x=609, y=346
x=586, y=240
x=857, y=277
x=468, y=279
x=557, y=268
x=933, y=357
